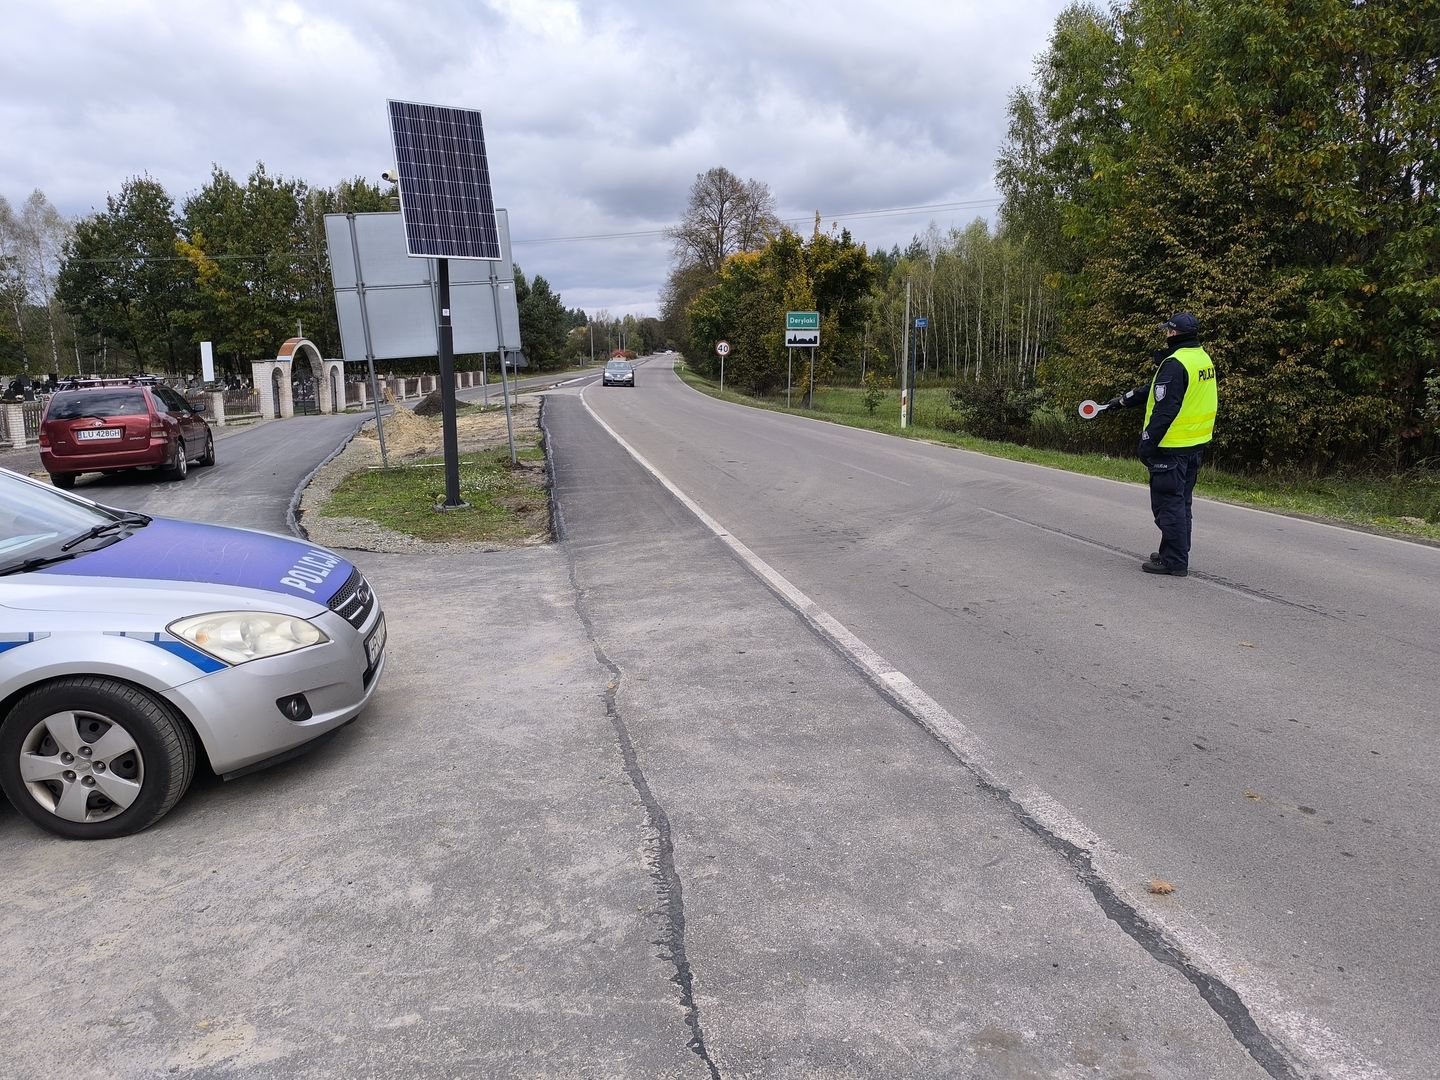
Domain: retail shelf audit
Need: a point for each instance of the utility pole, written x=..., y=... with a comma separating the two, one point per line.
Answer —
x=905, y=365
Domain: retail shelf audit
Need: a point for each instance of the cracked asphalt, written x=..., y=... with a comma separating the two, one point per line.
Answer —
x=616, y=812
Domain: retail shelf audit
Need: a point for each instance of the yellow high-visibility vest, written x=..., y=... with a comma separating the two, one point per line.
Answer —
x=1196, y=423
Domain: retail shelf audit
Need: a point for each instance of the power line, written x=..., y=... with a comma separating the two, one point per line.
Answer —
x=893, y=211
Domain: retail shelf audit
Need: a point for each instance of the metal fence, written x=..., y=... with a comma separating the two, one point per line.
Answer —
x=33, y=411
x=242, y=403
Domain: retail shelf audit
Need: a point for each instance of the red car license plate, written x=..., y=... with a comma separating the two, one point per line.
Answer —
x=92, y=434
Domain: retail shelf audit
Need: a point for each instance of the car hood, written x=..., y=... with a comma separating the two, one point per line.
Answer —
x=235, y=564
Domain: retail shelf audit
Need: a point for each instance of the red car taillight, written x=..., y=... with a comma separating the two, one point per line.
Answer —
x=44, y=440
x=157, y=428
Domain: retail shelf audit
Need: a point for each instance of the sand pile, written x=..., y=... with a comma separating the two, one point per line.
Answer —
x=408, y=436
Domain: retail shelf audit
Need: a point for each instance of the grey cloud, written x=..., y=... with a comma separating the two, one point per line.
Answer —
x=598, y=115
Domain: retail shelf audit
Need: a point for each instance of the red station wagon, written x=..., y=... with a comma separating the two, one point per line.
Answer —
x=113, y=428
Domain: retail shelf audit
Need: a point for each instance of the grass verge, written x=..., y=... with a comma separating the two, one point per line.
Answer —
x=1377, y=504
x=508, y=504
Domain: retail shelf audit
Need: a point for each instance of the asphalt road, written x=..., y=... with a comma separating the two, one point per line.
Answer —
x=624, y=807
x=258, y=466
x=1262, y=734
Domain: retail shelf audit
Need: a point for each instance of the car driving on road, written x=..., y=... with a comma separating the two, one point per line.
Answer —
x=114, y=428
x=129, y=645
x=618, y=373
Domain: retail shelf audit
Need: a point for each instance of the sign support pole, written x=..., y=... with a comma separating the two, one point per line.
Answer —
x=369, y=348
x=447, y=391
x=789, y=363
x=500, y=347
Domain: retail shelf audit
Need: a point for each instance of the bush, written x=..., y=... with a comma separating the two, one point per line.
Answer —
x=952, y=422
x=875, y=387
x=993, y=410
x=1054, y=428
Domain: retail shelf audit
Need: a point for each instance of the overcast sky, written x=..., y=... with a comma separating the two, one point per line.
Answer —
x=598, y=114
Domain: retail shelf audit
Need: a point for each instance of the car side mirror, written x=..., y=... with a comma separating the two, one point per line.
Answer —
x=197, y=407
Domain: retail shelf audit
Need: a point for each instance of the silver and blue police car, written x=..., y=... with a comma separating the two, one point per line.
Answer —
x=128, y=644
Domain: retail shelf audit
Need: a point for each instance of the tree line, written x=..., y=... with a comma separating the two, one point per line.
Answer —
x=1272, y=167
x=1269, y=165
x=139, y=284
x=991, y=315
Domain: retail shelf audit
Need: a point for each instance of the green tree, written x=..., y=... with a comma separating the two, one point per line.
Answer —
x=245, y=245
x=317, y=301
x=543, y=321
x=123, y=282
x=1271, y=166
x=829, y=273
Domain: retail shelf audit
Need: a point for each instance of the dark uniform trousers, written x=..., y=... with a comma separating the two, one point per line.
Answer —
x=1172, y=487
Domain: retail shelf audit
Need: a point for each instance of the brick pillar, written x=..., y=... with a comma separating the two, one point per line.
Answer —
x=15, y=425
x=217, y=408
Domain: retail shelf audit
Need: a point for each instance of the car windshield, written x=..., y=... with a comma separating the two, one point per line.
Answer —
x=35, y=519
x=617, y=365
x=123, y=401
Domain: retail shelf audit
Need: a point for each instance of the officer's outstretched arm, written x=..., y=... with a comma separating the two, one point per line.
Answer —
x=1129, y=398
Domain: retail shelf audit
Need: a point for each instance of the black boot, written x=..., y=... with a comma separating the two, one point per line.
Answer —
x=1155, y=566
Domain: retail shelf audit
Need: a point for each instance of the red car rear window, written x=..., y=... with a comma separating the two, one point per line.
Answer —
x=101, y=403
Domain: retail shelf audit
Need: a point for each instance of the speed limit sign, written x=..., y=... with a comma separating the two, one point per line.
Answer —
x=723, y=348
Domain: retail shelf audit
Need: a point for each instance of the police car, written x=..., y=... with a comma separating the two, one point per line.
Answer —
x=129, y=643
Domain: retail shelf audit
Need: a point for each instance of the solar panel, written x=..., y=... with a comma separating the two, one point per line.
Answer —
x=444, y=182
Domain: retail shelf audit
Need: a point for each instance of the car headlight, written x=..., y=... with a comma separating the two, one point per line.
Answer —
x=239, y=636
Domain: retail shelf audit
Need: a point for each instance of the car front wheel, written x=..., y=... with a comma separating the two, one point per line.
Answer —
x=91, y=758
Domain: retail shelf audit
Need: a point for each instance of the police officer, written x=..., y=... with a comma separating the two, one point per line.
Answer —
x=1180, y=403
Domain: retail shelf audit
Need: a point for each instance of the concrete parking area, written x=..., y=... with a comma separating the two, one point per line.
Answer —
x=454, y=885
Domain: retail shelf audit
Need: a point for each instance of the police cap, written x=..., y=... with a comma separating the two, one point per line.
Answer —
x=1182, y=322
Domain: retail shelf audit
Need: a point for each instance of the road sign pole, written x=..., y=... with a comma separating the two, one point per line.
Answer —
x=921, y=322
x=446, y=334
x=789, y=366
